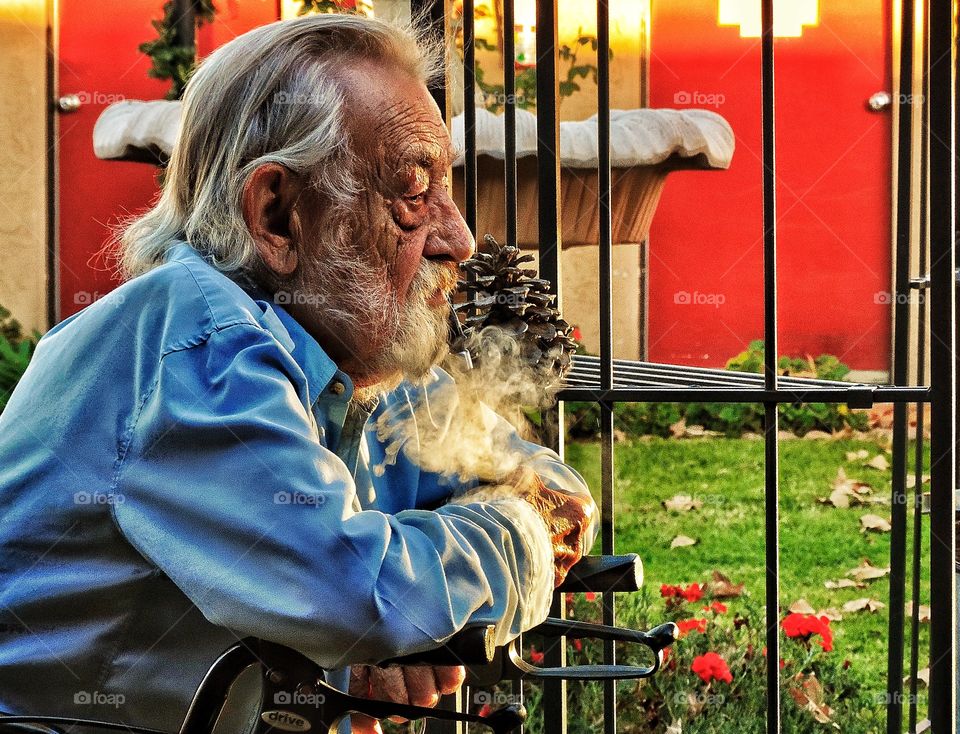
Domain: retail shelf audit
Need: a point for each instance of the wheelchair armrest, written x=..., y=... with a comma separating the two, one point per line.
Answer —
x=605, y=573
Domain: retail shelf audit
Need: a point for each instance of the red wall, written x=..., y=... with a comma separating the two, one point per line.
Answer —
x=100, y=61
x=833, y=190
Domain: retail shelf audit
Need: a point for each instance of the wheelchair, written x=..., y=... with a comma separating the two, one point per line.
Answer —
x=294, y=696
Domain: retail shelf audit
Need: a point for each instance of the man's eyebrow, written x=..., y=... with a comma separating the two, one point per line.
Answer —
x=426, y=156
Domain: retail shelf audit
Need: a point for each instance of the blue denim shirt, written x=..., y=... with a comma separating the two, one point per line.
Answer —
x=182, y=466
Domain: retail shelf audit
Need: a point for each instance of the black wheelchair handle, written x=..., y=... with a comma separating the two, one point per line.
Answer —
x=605, y=573
x=470, y=646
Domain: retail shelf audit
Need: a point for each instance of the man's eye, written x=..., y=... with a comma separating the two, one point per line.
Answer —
x=416, y=198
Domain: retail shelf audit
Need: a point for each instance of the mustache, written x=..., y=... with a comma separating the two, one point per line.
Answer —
x=433, y=276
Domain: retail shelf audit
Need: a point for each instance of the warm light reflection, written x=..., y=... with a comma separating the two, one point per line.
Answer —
x=789, y=16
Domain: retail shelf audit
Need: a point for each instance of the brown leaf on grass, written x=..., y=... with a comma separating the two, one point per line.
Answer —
x=808, y=695
x=847, y=492
x=682, y=503
x=866, y=571
x=875, y=523
x=844, y=584
x=857, y=455
x=675, y=728
x=864, y=604
x=720, y=587
x=924, y=675
x=831, y=613
x=923, y=612
x=682, y=541
x=801, y=606
x=678, y=429
x=878, y=462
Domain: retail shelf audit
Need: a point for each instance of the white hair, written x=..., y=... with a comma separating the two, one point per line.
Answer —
x=270, y=95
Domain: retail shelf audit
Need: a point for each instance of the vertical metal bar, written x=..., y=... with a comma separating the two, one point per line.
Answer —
x=923, y=243
x=606, y=340
x=942, y=366
x=510, y=122
x=52, y=162
x=771, y=410
x=548, y=220
x=901, y=343
x=469, y=118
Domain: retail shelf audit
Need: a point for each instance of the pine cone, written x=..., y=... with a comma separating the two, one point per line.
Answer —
x=514, y=299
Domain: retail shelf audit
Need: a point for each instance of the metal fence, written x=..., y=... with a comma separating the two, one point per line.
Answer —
x=606, y=381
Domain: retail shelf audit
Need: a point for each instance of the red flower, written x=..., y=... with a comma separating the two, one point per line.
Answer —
x=691, y=625
x=692, y=593
x=783, y=663
x=804, y=626
x=485, y=710
x=590, y=596
x=716, y=607
x=578, y=645
x=711, y=666
x=577, y=334
x=536, y=656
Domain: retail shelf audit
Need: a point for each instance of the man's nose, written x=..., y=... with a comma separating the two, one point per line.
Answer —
x=452, y=239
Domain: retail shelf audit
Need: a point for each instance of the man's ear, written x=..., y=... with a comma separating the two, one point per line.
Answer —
x=268, y=200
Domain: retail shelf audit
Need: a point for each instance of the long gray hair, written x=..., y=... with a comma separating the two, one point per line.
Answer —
x=270, y=95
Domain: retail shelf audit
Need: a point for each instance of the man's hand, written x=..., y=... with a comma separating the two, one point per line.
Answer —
x=567, y=516
x=420, y=685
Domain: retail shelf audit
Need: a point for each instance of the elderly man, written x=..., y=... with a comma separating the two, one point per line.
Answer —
x=193, y=459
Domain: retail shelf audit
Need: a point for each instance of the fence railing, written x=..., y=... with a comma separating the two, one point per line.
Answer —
x=606, y=381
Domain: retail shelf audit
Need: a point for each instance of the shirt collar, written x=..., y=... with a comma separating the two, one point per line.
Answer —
x=318, y=368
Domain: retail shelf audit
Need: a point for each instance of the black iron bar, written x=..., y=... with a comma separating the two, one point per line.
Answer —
x=548, y=233
x=605, y=246
x=510, y=121
x=469, y=118
x=901, y=346
x=942, y=366
x=917, y=540
x=641, y=394
x=771, y=416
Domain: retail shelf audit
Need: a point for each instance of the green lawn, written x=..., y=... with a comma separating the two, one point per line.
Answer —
x=817, y=543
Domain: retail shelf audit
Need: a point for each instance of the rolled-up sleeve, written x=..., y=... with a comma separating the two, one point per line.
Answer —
x=225, y=487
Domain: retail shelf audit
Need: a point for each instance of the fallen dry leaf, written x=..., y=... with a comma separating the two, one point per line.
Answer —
x=912, y=480
x=844, y=584
x=801, y=606
x=857, y=455
x=682, y=503
x=831, y=613
x=859, y=605
x=878, y=462
x=848, y=491
x=866, y=571
x=675, y=728
x=809, y=697
x=678, y=429
x=682, y=541
x=720, y=587
x=923, y=610
x=874, y=523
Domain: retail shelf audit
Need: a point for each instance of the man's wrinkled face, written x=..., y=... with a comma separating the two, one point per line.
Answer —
x=387, y=261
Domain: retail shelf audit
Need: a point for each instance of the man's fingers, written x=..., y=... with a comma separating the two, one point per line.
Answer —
x=388, y=684
x=449, y=678
x=421, y=685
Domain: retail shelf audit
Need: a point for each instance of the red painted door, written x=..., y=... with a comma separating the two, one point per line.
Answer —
x=834, y=189
x=99, y=61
